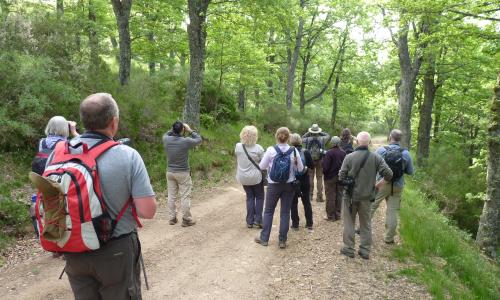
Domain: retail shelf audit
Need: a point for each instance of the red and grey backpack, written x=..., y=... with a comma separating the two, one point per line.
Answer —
x=88, y=224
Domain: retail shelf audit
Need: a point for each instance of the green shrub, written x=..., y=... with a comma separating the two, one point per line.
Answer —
x=450, y=264
x=14, y=217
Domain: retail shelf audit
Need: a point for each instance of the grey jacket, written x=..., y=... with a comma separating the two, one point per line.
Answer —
x=364, y=188
x=177, y=150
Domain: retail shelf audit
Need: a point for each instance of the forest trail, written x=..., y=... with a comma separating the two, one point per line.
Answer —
x=218, y=259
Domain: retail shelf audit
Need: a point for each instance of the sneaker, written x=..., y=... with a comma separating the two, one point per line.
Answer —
x=346, y=253
x=259, y=241
x=282, y=244
x=363, y=255
x=249, y=225
x=186, y=223
x=172, y=221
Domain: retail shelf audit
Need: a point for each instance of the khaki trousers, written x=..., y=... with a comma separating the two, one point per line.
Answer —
x=179, y=184
x=361, y=208
x=333, y=194
x=393, y=203
x=318, y=171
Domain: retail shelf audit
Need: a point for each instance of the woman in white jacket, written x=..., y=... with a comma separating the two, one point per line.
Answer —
x=248, y=155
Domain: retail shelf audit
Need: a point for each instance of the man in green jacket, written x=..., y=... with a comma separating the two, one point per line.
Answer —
x=363, y=166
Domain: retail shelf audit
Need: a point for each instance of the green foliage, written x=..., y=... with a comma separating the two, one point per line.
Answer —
x=455, y=186
x=449, y=264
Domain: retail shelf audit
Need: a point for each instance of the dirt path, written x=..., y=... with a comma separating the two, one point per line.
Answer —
x=217, y=259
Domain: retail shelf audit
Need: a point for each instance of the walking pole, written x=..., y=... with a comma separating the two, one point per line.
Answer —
x=62, y=273
x=144, y=271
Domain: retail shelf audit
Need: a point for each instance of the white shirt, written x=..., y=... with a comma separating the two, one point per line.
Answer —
x=268, y=159
x=246, y=172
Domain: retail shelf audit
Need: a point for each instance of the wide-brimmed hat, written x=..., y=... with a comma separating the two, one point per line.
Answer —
x=315, y=129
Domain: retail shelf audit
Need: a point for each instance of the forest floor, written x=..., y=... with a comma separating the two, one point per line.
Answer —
x=218, y=259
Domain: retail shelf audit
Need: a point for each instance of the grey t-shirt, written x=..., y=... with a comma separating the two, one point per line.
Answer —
x=122, y=174
x=177, y=150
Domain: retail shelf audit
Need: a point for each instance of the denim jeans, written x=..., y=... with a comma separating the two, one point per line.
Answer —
x=275, y=192
x=255, y=203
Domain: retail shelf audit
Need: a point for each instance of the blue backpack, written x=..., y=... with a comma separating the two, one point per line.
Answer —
x=280, y=171
x=303, y=158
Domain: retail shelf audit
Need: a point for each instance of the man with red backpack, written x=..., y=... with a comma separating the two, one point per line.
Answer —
x=101, y=263
x=399, y=160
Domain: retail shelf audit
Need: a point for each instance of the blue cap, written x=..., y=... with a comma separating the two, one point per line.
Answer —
x=33, y=198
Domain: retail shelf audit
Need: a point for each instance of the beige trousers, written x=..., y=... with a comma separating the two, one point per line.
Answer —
x=179, y=184
x=362, y=209
x=393, y=203
x=318, y=172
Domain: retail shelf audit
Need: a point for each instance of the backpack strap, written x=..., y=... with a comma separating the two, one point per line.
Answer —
x=130, y=202
x=249, y=158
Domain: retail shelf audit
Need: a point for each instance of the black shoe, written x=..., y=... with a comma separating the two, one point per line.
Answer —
x=259, y=241
x=186, y=223
x=172, y=221
x=282, y=244
x=348, y=254
x=310, y=227
x=259, y=225
x=364, y=255
x=295, y=228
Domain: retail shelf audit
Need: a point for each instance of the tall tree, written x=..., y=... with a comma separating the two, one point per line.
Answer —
x=294, y=58
x=197, y=35
x=93, y=40
x=489, y=225
x=122, y=9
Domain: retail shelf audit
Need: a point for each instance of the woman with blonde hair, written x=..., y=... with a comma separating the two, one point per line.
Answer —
x=248, y=155
x=282, y=162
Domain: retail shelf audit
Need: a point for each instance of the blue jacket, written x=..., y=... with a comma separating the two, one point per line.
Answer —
x=407, y=163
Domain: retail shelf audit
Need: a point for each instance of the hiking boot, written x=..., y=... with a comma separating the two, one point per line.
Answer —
x=172, y=221
x=259, y=241
x=186, y=223
x=346, y=253
x=258, y=225
x=363, y=255
x=249, y=225
x=282, y=244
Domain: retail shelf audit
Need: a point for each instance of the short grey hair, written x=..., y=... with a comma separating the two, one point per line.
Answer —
x=249, y=135
x=335, y=141
x=295, y=139
x=57, y=126
x=97, y=111
x=364, y=138
x=396, y=135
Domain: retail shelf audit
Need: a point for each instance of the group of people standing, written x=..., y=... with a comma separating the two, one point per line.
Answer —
x=355, y=179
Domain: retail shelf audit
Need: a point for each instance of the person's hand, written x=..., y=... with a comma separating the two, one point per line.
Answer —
x=72, y=128
x=380, y=184
x=187, y=128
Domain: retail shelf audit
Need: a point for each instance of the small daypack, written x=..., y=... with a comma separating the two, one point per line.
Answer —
x=75, y=217
x=40, y=160
x=394, y=159
x=303, y=158
x=280, y=171
x=314, y=146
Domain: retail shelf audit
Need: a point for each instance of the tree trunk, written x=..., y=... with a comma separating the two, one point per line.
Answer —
x=60, y=8
x=270, y=59
x=121, y=9
x=303, y=78
x=335, y=93
x=406, y=91
x=152, y=63
x=437, y=118
x=241, y=99
x=93, y=41
x=425, y=122
x=489, y=224
x=197, y=36
x=294, y=59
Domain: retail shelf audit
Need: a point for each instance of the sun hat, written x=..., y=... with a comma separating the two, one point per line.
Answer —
x=315, y=129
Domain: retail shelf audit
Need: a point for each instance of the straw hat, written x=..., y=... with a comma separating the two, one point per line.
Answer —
x=315, y=129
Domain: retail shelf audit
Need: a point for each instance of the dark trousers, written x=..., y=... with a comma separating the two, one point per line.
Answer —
x=306, y=201
x=112, y=272
x=275, y=192
x=255, y=203
x=333, y=198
